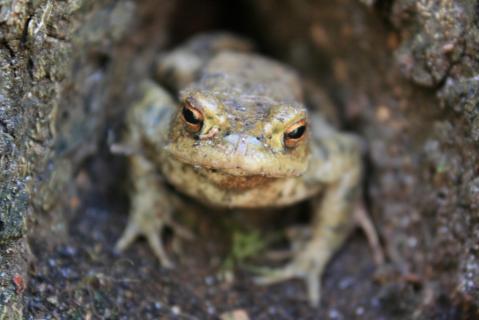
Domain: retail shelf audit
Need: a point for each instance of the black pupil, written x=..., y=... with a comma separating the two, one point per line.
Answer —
x=297, y=133
x=190, y=116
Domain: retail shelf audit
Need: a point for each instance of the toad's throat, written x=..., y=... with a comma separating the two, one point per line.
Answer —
x=232, y=182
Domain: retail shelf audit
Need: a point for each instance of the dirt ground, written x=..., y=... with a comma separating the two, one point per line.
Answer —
x=84, y=277
x=81, y=277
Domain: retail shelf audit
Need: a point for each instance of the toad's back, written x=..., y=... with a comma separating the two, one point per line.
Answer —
x=246, y=81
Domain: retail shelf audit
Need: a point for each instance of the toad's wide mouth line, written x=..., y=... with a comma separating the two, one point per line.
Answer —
x=227, y=180
x=228, y=169
x=232, y=172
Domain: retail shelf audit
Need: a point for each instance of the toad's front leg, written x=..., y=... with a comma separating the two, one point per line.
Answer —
x=151, y=210
x=152, y=204
x=339, y=168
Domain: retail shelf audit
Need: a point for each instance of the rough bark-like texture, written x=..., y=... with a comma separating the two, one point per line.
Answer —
x=53, y=84
x=404, y=73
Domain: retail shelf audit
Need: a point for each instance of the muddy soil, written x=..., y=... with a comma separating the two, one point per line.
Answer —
x=82, y=277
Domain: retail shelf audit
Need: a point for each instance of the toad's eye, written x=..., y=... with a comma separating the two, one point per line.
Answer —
x=192, y=117
x=294, y=134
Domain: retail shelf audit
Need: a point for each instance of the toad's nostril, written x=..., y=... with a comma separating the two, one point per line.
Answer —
x=253, y=141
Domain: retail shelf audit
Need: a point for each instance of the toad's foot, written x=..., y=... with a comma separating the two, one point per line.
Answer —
x=309, y=265
x=364, y=221
x=152, y=233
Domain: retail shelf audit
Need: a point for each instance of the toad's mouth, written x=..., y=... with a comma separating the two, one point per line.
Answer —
x=241, y=168
x=229, y=181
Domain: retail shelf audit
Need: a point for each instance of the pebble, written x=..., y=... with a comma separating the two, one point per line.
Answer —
x=239, y=314
x=335, y=314
x=175, y=310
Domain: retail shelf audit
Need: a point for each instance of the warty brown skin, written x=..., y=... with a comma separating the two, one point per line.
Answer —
x=240, y=156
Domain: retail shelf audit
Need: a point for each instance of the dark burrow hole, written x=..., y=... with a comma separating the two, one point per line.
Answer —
x=212, y=15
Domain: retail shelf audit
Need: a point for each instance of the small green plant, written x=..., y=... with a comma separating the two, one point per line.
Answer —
x=245, y=244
